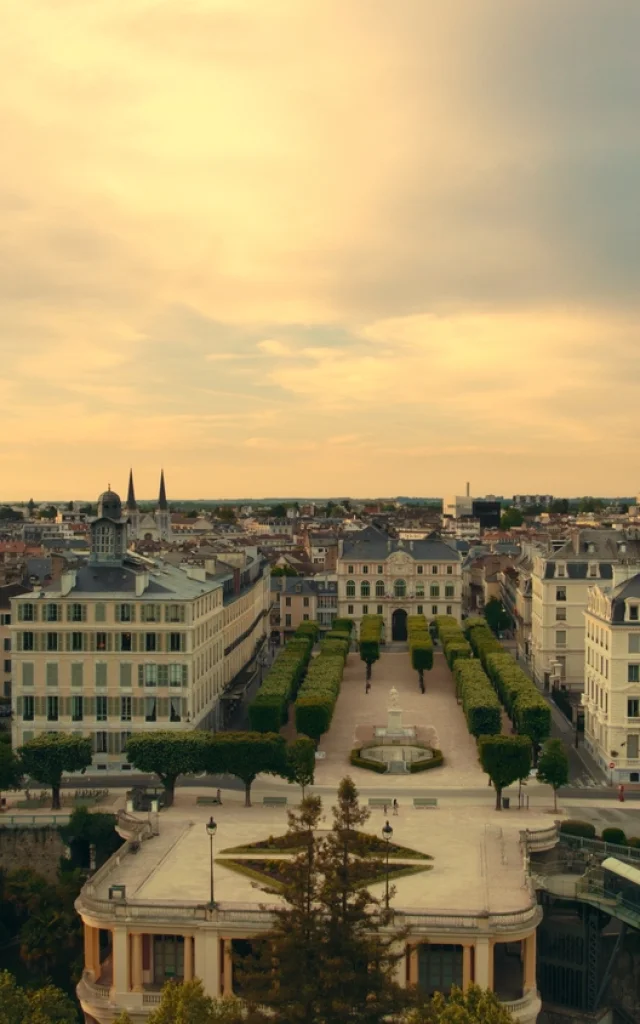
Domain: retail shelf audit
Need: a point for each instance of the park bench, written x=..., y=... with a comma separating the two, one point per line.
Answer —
x=274, y=801
x=425, y=801
x=208, y=800
x=380, y=801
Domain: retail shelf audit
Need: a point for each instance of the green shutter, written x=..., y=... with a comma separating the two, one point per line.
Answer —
x=92, y=641
x=90, y=707
x=113, y=707
x=125, y=673
x=19, y=639
x=137, y=707
x=163, y=707
x=20, y=613
x=19, y=705
x=163, y=675
x=118, y=613
x=69, y=613
x=134, y=641
x=166, y=613
x=185, y=675
x=181, y=612
x=40, y=707
x=117, y=643
x=133, y=613
x=157, y=612
x=159, y=638
x=35, y=613
x=66, y=706
x=109, y=641
x=111, y=742
x=67, y=641
x=140, y=675
x=100, y=612
x=27, y=673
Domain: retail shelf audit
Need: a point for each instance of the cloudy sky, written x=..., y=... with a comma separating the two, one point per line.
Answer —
x=319, y=246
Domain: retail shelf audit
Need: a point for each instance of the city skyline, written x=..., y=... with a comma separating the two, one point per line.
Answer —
x=345, y=249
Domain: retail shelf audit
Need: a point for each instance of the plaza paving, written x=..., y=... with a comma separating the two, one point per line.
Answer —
x=437, y=707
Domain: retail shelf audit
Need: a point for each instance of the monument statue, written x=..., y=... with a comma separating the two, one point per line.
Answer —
x=393, y=697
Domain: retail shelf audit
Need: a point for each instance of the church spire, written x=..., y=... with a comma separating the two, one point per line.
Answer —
x=131, y=494
x=162, y=498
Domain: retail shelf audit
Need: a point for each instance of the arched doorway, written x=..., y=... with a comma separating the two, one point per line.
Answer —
x=399, y=625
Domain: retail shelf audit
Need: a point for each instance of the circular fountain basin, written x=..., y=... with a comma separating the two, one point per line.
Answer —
x=397, y=756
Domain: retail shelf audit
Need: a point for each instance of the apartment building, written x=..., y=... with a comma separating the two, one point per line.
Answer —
x=124, y=643
x=560, y=582
x=297, y=599
x=6, y=593
x=611, y=696
x=381, y=575
x=147, y=916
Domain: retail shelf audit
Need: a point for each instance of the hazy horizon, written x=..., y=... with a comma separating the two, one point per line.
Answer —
x=350, y=246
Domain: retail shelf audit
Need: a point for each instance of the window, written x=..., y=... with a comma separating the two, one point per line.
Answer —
x=27, y=642
x=351, y=588
x=150, y=675
x=380, y=570
x=633, y=612
x=101, y=708
x=434, y=570
x=176, y=641
x=593, y=569
x=126, y=642
x=168, y=957
x=439, y=968
x=379, y=588
x=76, y=709
x=26, y=613
x=449, y=609
x=149, y=641
x=287, y=620
x=101, y=673
x=51, y=673
x=420, y=570
x=561, y=593
x=52, y=641
x=561, y=638
x=449, y=570
x=125, y=709
x=175, y=613
x=175, y=675
x=365, y=589
x=561, y=614
x=51, y=612
x=150, y=613
x=449, y=590
x=633, y=708
x=101, y=743
x=400, y=588
x=7, y=643
x=28, y=705
x=379, y=612
x=365, y=609
x=77, y=641
x=634, y=643
x=77, y=673
x=150, y=714
x=419, y=589
x=365, y=570
x=78, y=613
x=123, y=613
x=349, y=609
x=7, y=665
x=125, y=673
x=632, y=747
x=101, y=641
x=305, y=604
x=175, y=709
x=561, y=570
x=52, y=709
x=434, y=590
x=350, y=570
x=434, y=609
x=420, y=609
x=633, y=673
x=305, y=618
x=27, y=673
x=287, y=602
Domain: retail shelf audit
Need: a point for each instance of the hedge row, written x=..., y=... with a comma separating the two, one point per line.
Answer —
x=479, y=701
x=268, y=710
x=585, y=830
x=420, y=643
x=343, y=625
x=358, y=761
x=319, y=692
x=309, y=628
x=370, y=638
x=481, y=638
x=452, y=638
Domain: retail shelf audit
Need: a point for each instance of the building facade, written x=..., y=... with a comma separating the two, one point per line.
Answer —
x=380, y=575
x=126, y=644
x=154, y=525
x=611, y=696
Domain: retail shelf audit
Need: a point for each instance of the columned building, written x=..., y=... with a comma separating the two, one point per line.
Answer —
x=380, y=575
x=125, y=644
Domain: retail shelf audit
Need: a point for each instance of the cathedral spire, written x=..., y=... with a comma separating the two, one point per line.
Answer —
x=131, y=494
x=162, y=498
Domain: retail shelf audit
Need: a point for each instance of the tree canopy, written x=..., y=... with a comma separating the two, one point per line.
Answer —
x=167, y=754
x=511, y=517
x=553, y=767
x=245, y=755
x=505, y=759
x=473, y=1006
x=496, y=616
x=47, y=756
x=45, y=1005
x=10, y=768
x=187, y=1003
x=301, y=762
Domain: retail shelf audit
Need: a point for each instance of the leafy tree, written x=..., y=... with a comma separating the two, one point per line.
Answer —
x=511, y=517
x=86, y=829
x=50, y=512
x=10, y=514
x=10, y=768
x=496, y=616
x=31, y=507
x=245, y=755
x=553, y=767
x=369, y=640
x=167, y=754
x=46, y=1005
x=225, y=513
x=187, y=1003
x=473, y=1006
x=278, y=511
x=283, y=570
x=301, y=761
x=47, y=756
x=505, y=759
x=88, y=510
x=560, y=505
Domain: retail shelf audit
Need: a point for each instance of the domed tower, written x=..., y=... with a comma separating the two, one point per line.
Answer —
x=109, y=540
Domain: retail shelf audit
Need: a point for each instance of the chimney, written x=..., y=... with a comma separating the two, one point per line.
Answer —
x=197, y=572
x=468, y=490
x=142, y=582
x=67, y=582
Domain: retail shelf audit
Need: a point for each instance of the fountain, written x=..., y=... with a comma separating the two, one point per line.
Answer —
x=395, y=744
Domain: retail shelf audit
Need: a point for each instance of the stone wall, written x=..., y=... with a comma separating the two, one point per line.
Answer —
x=37, y=848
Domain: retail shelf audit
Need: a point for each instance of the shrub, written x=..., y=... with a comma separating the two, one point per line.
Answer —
x=319, y=692
x=634, y=841
x=573, y=827
x=614, y=835
x=424, y=766
x=343, y=624
x=479, y=702
x=420, y=644
x=268, y=710
x=452, y=638
x=362, y=762
x=309, y=628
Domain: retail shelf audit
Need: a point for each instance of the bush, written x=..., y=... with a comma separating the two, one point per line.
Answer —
x=319, y=692
x=420, y=643
x=633, y=841
x=268, y=710
x=345, y=625
x=424, y=766
x=573, y=827
x=526, y=707
x=310, y=629
x=479, y=702
x=615, y=836
x=452, y=638
x=362, y=762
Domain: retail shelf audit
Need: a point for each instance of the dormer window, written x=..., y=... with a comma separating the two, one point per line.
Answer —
x=593, y=569
x=633, y=613
x=622, y=548
x=561, y=569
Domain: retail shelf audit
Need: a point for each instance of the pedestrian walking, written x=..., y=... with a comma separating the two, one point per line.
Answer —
x=219, y=796
x=395, y=806
x=621, y=793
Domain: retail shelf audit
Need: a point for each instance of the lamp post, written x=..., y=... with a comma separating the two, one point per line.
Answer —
x=387, y=832
x=211, y=831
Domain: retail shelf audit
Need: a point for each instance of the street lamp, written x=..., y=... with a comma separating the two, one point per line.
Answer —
x=387, y=832
x=211, y=831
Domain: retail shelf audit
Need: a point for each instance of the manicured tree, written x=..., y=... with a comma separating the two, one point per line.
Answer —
x=421, y=658
x=301, y=762
x=496, y=615
x=473, y=1006
x=246, y=755
x=47, y=756
x=369, y=640
x=87, y=828
x=10, y=768
x=167, y=754
x=505, y=759
x=553, y=767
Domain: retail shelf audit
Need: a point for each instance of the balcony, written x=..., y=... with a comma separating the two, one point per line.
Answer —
x=525, y=1010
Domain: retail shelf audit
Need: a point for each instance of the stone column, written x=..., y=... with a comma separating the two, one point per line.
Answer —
x=188, y=958
x=467, y=977
x=120, y=944
x=413, y=963
x=484, y=963
x=207, y=961
x=530, y=962
x=136, y=962
x=89, y=962
x=96, y=950
x=227, y=986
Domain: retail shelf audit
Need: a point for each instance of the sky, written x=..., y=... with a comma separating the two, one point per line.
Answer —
x=319, y=247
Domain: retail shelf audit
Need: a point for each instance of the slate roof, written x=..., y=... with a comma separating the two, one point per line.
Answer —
x=630, y=589
x=166, y=583
x=607, y=549
x=374, y=545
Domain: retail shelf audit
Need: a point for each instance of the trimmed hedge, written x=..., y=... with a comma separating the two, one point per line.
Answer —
x=424, y=766
x=452, y=638
x=268, y=710
x=420, y=643
x=574, y=827
x=364, y=762
x=370, y=638
x=479, y=702
x=615, y=836
x=482, y=640
x=308, y=628
x=319, y=692
x=345, y=625
x=526, y=707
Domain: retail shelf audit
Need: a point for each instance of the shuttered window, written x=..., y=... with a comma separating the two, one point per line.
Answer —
x=100, y=612
x=101, y=673
x=77, y=673
x=52, y=673
x=27, y=673
x=125, y=673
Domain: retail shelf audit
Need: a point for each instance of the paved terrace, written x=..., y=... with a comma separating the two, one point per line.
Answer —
x=477, y=866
